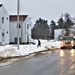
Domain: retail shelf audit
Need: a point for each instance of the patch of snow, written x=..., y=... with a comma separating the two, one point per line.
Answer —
x=12, y=51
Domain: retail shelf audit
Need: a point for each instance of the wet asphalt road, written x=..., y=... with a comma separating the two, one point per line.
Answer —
x=59, y=62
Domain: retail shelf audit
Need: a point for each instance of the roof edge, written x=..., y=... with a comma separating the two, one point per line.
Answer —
x=14, y=17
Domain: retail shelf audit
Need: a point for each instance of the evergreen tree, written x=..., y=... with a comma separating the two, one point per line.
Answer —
x=52, y=26
x=41, y=29
x=61, y=23
x=68, y=23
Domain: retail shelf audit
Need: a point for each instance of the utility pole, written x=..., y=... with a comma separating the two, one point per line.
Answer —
x=18, y=23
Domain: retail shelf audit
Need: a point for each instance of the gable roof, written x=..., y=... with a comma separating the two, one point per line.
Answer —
x=14, y=17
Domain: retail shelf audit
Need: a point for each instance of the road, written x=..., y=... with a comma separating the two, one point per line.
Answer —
x=59, y=62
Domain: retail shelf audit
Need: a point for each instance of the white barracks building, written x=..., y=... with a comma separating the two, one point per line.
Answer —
x=24, y=28
x=8, y=28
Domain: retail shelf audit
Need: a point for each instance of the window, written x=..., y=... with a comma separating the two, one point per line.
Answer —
x=27, y=26
x=19, y=26
x=7, y=18
x=7, y=32
x=2, y=34
x=2, y=19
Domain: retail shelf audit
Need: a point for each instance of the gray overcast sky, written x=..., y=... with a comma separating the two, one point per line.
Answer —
x=45, y=9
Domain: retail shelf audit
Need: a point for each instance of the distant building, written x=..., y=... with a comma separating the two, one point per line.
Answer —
x=24, y=28
x=4, y=26
x=9, y=30
x=58, y=33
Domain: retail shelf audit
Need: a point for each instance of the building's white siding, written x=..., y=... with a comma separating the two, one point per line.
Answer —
x=28, y=29
x=0, y=33
x=13, y=31
x=57, y=32
x=4, y=27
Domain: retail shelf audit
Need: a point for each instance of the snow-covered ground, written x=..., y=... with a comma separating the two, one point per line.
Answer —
x=12, y=51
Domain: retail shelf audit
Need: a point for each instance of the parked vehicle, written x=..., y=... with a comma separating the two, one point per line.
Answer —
x=67, y=42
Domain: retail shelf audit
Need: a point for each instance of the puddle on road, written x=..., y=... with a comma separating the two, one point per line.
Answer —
x=8, y=61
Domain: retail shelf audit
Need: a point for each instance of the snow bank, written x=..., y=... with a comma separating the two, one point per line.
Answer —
x=12, y=51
